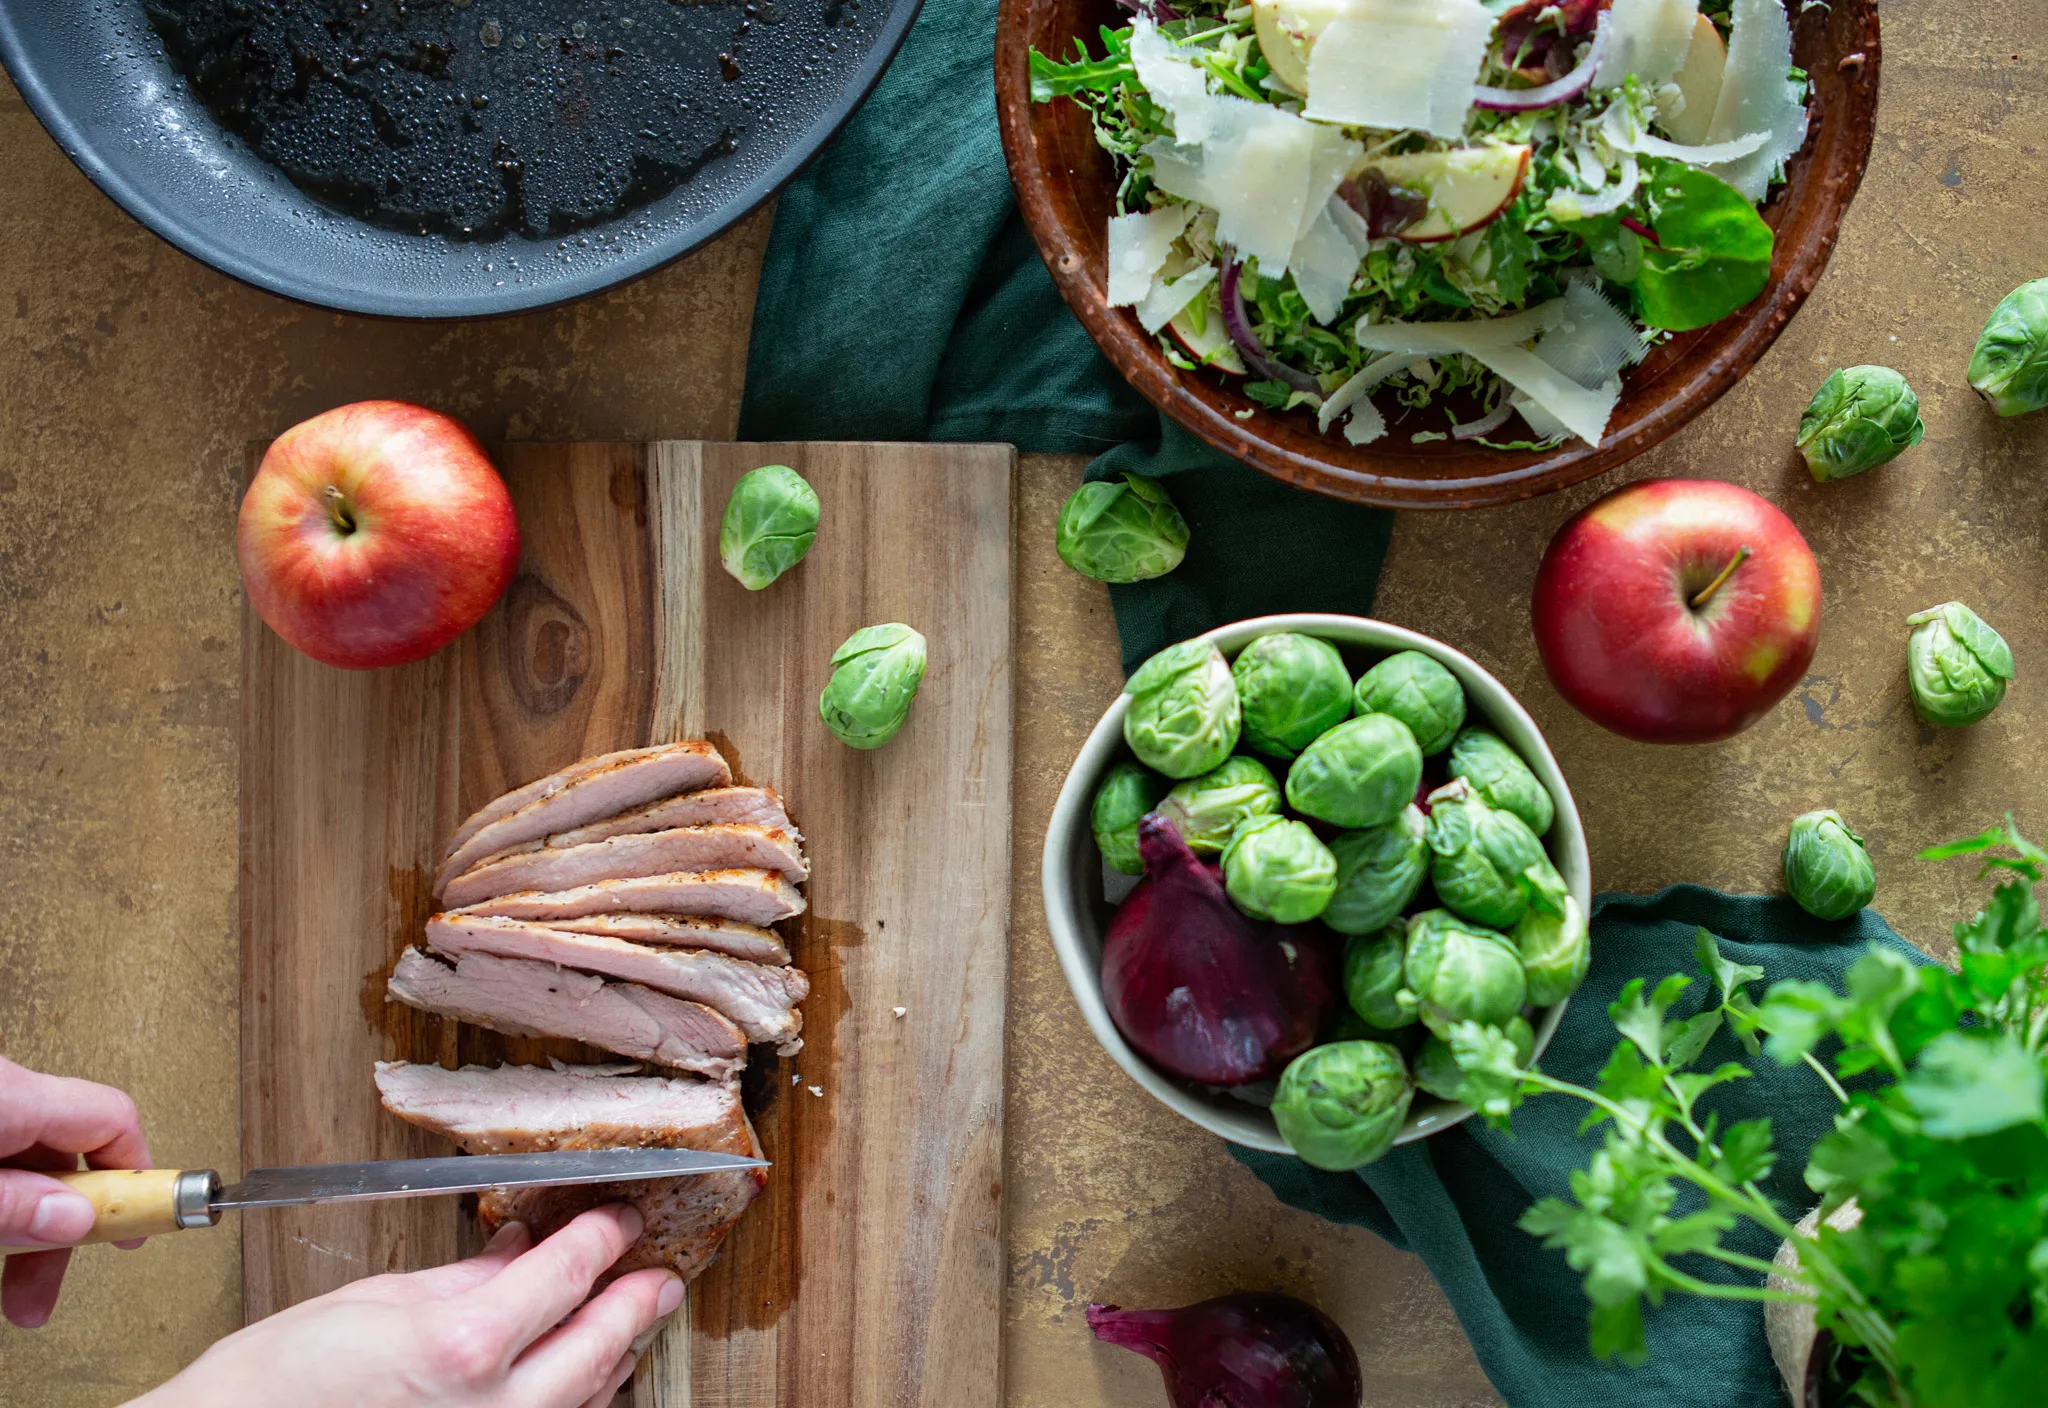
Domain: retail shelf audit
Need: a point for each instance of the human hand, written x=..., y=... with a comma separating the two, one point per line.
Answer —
x=46, y=1122
x=489, y=1332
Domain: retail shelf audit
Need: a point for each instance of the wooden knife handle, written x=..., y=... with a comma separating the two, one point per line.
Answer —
x=141, y=1202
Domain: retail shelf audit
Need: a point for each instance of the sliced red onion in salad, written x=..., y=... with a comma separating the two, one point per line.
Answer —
x=1238, y=323
x=1493, y=420
x=1548, y=95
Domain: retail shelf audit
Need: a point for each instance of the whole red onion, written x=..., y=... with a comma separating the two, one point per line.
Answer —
x=1249, y=1350
x=1203, y=992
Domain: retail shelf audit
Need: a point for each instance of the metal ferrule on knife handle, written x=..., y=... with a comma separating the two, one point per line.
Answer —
x=142, y=1202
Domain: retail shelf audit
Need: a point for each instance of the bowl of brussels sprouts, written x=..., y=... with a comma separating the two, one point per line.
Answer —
x=1292, y=857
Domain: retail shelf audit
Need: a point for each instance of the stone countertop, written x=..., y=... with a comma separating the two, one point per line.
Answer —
x=132, y=376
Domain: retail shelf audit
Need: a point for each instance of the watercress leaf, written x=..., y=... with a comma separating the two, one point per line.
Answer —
x=1974, y=1083
x=1746, y=1153
x=1269, y=393
x=1712, y=251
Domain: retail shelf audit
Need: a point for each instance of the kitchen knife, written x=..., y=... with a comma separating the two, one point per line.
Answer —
x=145, y=1202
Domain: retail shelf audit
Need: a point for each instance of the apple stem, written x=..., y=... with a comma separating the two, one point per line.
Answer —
x=1706, y=593
x=337, y=509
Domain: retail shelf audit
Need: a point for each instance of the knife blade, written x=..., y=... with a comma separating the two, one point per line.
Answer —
x=145, y=1202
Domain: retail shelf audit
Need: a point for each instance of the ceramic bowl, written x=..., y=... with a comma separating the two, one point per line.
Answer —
x=1065, y=184
x=1078, y=911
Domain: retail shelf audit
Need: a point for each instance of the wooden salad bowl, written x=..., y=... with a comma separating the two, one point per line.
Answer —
x=1065, y=187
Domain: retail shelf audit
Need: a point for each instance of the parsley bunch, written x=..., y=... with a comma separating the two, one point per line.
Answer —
x=1938, y=1296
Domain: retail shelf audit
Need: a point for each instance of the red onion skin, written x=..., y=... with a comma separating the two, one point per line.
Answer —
x=1201, y=991
x=1238, y=323
x=1248, y=1350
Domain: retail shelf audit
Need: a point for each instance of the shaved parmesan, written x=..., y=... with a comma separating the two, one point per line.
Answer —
x=1594, y=341
x=1542, y=424
x=1324, y=264
x=1174, y=82
x=1583, y=412
x=1366, y=424
x=1138, y=245
x=1491, y=343
x=1350, y=393
x=1758, y=94
x=1436, y=339
x=1623, y=133
x=1647, y=38
x=1167, y=299
x=1400, y=65
x=1570, y=205
x=1266, y=173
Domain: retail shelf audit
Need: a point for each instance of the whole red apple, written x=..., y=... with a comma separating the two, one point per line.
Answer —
x=375, y=533
x=1677, y=610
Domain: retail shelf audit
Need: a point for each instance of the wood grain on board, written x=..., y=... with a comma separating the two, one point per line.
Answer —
x=869, y=1270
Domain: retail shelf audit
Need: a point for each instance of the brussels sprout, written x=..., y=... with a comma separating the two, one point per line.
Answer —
x=1417, y=690
x=875, y=676
x=1498, y=774
x=1437, y=1070
x=1208, y=808
x=1360, y=773
x=1276, y=869
x=1458, y=971
x=1956, y=665
x=1379, y=870
x=1556, y=950
x=2010, y=366
x=1183, y=720
x=1293, y=688
x=1374, y=979
x=1860, y=418
x=1487, y=864
x=769, y=523
x=1340, y=1106
x=1128, y=532
x=1826, y=868
x=1125, y=795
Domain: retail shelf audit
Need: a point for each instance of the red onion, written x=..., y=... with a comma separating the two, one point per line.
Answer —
x=1157, y=11
x=1203, y=992
x=1239, y=325
x=1517, y=29
x=1630, y=222
x=1549, y=95
x=1251, y=1350
x=1493, y=420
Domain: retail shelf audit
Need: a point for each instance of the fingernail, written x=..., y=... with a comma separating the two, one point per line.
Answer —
x=61, y=1219
x=671, y=1296
x=630, y=1221
x=506, y=1235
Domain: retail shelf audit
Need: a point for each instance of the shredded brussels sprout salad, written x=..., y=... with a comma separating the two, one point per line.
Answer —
x=1437, y=205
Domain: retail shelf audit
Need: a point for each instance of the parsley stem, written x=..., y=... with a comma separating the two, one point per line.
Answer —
x=1717, y=1291
x=1753, y=1263
x=1841, y=1095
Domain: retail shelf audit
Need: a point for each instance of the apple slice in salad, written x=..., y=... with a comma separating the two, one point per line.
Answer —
x=1464, y=187
x=1199, y=330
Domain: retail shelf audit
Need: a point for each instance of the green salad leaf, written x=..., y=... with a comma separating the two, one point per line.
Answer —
x=1712, y=253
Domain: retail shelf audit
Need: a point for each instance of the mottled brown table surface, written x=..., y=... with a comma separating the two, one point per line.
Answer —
x=130, y=377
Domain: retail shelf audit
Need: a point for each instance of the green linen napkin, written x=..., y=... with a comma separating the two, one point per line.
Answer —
x=1453, y=1199
x=902, y=299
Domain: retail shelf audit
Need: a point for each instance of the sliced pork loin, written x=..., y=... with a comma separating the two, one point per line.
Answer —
x=687, y=848
x=674, y=931
x=522, y=998
x=582, y=793
x=525, y=1109
x=759, y=999
x=751, y=896
x=714, y=806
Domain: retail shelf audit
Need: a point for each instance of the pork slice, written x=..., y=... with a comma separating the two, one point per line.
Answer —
x=521, y=998
x=750, y=896
x=685, y=848
x=524, y=1109
x=713, y=806
x=674, y=931
x=760, y=1000
x=582, y=793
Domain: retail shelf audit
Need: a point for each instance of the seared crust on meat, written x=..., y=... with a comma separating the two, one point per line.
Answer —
x=751, y=896
x=689, y=848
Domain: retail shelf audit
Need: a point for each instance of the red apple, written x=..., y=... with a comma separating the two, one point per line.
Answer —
x=375, y=533
x=1677, y=610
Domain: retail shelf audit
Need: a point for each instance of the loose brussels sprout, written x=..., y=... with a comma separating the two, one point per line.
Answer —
x=1183, y=720
x=2010, y=366
x=1487, y=864
x=1418, y=691
x=1956, y=665
x=1860, y=418
x=1128, y=532
x=1498, y=774
x=1556, y=950
x=1458, y=971
x=1340, y=1106
x=875, y=676
x=1826, y=868
x=1374, y=977
x=1208, y=808
x=1437, y=1070
x=1275, y=869
x=1293, y=688
x=769, y=523
x=1360, y=773
x=1379, y=870
x=1125, y=795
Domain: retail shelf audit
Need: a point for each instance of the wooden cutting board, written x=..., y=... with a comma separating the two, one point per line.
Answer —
x=869, y=1271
